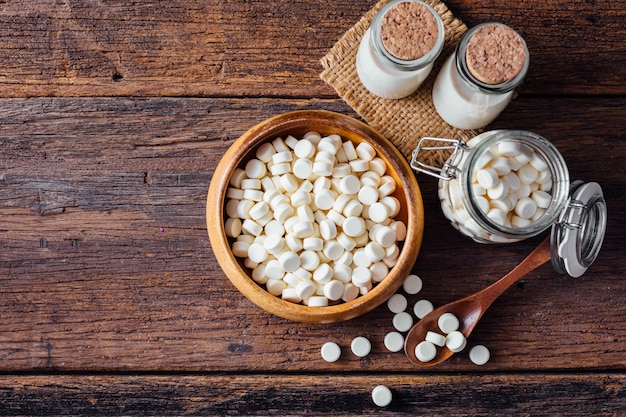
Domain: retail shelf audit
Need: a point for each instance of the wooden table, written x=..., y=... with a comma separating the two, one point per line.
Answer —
x=113, y=116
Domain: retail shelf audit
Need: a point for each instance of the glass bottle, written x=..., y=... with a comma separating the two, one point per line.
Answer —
x=390, y=63
x=478, y=80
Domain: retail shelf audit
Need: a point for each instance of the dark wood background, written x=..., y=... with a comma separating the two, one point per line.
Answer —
x=113, y=116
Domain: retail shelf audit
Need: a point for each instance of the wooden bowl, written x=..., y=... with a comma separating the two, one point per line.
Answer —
x=326, y=123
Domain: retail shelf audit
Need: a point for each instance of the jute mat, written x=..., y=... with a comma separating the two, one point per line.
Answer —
x=405, y=121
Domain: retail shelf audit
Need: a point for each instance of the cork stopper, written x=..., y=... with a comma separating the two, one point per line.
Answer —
x=409, y=30
x=495, y=54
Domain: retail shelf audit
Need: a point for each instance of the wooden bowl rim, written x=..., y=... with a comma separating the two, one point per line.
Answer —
x=281, y=125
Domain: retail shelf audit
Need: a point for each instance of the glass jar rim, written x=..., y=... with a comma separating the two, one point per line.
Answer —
x=402, y=64
x=466, y=75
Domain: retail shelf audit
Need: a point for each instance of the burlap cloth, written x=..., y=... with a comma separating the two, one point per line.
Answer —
x=405, y=121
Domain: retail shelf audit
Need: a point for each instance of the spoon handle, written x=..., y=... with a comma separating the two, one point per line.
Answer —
x=539, y=256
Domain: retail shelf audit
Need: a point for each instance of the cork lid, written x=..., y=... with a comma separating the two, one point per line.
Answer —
x=409, y=30
x=495, y=54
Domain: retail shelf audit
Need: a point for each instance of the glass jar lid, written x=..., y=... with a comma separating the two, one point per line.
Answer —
x=577, y=237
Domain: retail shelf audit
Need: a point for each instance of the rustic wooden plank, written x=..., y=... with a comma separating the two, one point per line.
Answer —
x=323, y=394
x=106, y=266
x=262, y=48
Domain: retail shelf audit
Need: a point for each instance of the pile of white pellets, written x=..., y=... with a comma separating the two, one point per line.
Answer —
x=314, y=218
x=402, y=322
x=511, y=185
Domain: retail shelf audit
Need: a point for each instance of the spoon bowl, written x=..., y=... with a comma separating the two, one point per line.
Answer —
x=470, y=309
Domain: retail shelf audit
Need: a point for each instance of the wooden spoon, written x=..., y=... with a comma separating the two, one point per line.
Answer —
x=470, y=309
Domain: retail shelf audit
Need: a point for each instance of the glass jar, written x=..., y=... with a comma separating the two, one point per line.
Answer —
x=505, y=186
x=469, y=93
x=393, y=71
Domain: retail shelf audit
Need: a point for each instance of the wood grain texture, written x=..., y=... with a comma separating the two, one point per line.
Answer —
x=320, y=395
x=262, y=48
x=113, y=117
x=106, y=265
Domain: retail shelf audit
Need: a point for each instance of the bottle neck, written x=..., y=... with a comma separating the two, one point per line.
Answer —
x=392, y=61
x=467, y=76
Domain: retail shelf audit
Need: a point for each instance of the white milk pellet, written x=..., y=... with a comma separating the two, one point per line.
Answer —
x=317, y=301
x=435, y=338
x=305, y=289
x=479, y=354
x=422, y=308
x=425, y=351
x=394, y=341
x=402, y=321
x=331, y=352
x=412, y=284
x=314, y=218
x=448, y=323
x=510, y=184
x=397, y=303
x=379, y=271
x=333, y=290
x=455, y=341
x=382, y=396
x=361, y=346
x=350, y=292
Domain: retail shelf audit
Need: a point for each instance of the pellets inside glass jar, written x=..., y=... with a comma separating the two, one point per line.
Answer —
x=510, y=185
x=314, y=218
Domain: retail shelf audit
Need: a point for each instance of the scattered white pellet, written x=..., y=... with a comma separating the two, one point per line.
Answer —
x=331, y=352
x=435, y=338
x=402, y=321
x=412, y=284
x=394, y=341
x=397, y=303
x=456, y=341
x=382, y=396
x=448, y=323
x=361, y=346
x=479, y=354
x=425, y=351
x=422, y=308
